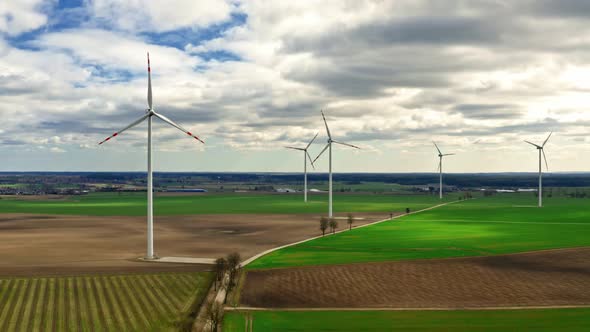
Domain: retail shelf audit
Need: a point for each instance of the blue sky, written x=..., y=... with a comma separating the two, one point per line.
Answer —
x=251, y=76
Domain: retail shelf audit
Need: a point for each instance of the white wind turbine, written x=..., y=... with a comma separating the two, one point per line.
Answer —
x=305, y=157
x=149, y=113
x=329, y=147
x=440, y=158
x=541, y=151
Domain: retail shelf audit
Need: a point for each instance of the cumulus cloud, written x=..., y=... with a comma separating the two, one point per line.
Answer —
x=390, y=75
x=21, y=16
x=159, y=16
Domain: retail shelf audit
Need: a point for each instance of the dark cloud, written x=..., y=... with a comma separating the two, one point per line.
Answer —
x=69, y=126
x=432, y=30
x=14, y=142
x=489, y=111
x=560, y=9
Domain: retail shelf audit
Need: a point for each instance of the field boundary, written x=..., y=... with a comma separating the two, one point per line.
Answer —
x=407, y=309
x=266, y=252
x=509, y=222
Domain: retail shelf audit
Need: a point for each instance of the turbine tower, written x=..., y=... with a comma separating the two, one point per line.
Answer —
x=541, y=152
x=329, y=147
x=440, y=158
x=305, y=157
x=149, y=113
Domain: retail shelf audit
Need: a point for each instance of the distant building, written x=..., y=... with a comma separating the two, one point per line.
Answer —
x=435, y=187
x=286, y=190
x=526, y=190
x=190, y=190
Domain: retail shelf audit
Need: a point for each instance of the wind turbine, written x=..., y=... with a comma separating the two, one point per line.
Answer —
x=329, y=147
x=440, y=158
x=541, y=151
x=149, y=113
x=305, y=157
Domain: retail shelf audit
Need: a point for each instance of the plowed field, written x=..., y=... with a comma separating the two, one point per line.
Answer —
x=545, y=278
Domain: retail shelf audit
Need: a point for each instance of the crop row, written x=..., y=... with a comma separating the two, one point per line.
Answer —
x=98, y=303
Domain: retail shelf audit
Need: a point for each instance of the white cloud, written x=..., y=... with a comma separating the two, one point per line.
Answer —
x=57, y=150
x=160, y=16
x=117, y=50
x=391, y=76
x=20, y=16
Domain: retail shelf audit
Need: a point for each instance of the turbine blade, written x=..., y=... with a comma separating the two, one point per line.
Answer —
x=448, y=154
x=170, y=122
x=138, y=121
x=149, y=96
x=313, y=139
x=437, y=147
x=342, y=143
x=545, y=158
x=326, y=123
x=325, y=148
x=438, y=166
x=294, y=148
x=308, y=156
x=533, y=144
x=551, y=133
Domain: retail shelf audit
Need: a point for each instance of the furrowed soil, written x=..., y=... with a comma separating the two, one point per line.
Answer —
x=66, y=245
x=544, y=278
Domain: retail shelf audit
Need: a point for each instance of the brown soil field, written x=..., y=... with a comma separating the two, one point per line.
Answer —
x=543, y=278
x=55, y=244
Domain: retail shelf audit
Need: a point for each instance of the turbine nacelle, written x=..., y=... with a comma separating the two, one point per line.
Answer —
x=330, y=140
x=305, y=149
x=541, y=148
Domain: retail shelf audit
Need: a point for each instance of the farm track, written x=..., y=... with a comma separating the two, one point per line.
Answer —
x=97, y=303
x=545, y=278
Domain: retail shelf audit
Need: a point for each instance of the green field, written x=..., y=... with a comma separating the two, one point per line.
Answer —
x=486, y=226
x=134, y=204
x=457, y=321
x=147, y=302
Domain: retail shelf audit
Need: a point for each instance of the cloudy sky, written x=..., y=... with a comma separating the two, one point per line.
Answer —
x=251, y=76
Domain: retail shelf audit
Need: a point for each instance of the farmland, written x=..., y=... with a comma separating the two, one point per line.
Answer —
x=470, y=254
x=487, y=226
x=142, y=302
x=134, y=204
x=541, y=278
x=570, y=320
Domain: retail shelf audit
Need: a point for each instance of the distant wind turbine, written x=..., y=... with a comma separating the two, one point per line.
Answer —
x=329, y=147
x=305, y=157
x=149, y=113
x=541, y=151
x=440, y=158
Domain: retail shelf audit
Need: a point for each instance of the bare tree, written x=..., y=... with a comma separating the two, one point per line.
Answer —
x=350, y=220
x=233, y=266
x=323, y=225
x=333, y=225
x=219, y=269
x=214, y=314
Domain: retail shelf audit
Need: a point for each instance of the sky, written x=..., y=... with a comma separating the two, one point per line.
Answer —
x=249, y=77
